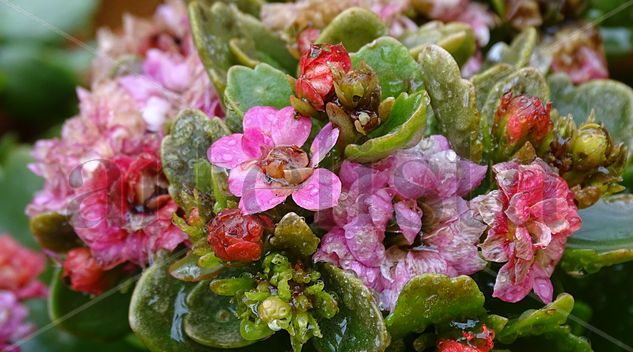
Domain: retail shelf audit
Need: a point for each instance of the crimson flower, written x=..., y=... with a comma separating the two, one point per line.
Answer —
x=315, y=82
x=19, y=269
x=85, y=274
x=469, y=342
x=237, y=237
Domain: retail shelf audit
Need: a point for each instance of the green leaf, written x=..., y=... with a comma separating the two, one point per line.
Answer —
x=518, y=53
x=100, y=318
x=433, y=299
x=453, y=100
x=354, y=28
x=612, y=101
x=246, y=88
x=215, y=26
x=486, y=80
x=184, y=155
x=579, y=262
x=396, y=70
x=211, y=320
x=403, y=129
x=456, y=38
x=53, y=232
x=188, y=269
x=293, y=235
x=559, y=339
x=525, y=81
x=358, y=326
x=536, y=322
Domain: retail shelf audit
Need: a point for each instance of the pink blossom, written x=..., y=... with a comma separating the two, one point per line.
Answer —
x=424, y=184
x=530, y=218
x=124, y=212
x=267, y=163
x=13, y=326
x=19, y=269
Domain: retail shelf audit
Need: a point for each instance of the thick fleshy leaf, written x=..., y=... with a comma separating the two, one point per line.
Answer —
x=100, y=318
x=293, y=235
x=434, y=299
x=354, y=28
x=526, y=81
x=246, y=88
x=397, y=71
x=358, y=326
x=612, y=102
x=403, y=129
x=53, y=232
x=453, y=101
x=185, y=147
x=216, y=26
x=536, y=322
x=579, y=262
x=455, y=37
x=188, y=269
x=517, y=53
x=559, y=339
x=486, y=80
x=211, y=320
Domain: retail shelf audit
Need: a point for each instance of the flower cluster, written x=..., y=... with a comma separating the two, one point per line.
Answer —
x=19, y=269
x=405, y=216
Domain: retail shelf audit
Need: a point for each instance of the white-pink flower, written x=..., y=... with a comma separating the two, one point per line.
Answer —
x=267, y=163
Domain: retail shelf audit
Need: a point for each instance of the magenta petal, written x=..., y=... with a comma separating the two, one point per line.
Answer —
x=320, y=191
x=255, y=143
x=409, y=219
x=261, y=197
x=243, y=177
x=261, y=118
x=227, y=151
x=323, y=143
x=290, y=129
x=542, y=285
x=507, y=288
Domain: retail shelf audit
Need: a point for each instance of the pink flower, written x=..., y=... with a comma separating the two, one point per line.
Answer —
x=13, y=327
x=267, y=163
x=391, y=191
x=530, y=218
x=124, y=212
x=19, y=269
x=85, y=274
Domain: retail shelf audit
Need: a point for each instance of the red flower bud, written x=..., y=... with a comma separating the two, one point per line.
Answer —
x=469, y=342
x=85, y=274
x=315, y=82
x=237, y=237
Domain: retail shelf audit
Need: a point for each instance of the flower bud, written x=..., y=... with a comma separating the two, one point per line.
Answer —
x=590, y=146
x=274, y=308
x=237, y=237
x=520, y=119
x=357, y=89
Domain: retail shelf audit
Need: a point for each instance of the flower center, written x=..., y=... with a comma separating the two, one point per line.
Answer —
x=287, y=165
x=148, y=192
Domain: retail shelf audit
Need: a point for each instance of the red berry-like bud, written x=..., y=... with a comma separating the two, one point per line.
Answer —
x=237, y=237
x=316, y=82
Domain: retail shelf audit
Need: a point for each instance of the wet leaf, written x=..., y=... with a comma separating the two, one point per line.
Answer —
x=486, y=80
x=184, y=155
x=101, y=318
x=188, y=269
x=211, y=320
x=455, y=37
x=354, y=28
x=611, y=100
x=403, y=129
x=579, y=262
x=396, y=70
x=559, y=339
x=53, y=232
x=359, y=325
x=214, y=26
x=518, y=53
x=433, y=299
x=293, y=235
x=246, y=88
x=538, y=321
x=453, y=100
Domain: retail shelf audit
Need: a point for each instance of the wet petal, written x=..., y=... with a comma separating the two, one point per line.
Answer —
x=243, y=177
x=262, y=196
x=290, y=129
x=409, y=219
x=227, y=152
x=323, y=143
x=320, y=191
x=262, y=118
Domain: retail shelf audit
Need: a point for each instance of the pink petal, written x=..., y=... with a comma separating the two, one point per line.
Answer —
x=243, y=177
x=507, y=288
x=494, y=247
x=227, y=151
x=320, y=191
x=542, y=285
x=290, y=129
x=409, y=219
x=323, y=143
x=262, y=196
x=261, y=118
x=255, y=143
x=523, y=244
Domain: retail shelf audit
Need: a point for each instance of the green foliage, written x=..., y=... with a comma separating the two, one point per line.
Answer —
x=433, y=299
x=54, y=232
x=353, y=28
x=518, y=53
x=246, y=88
x=403, y=129
x=294, y=236
x=455, y=37
x=453, y=100
x=359, y=325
